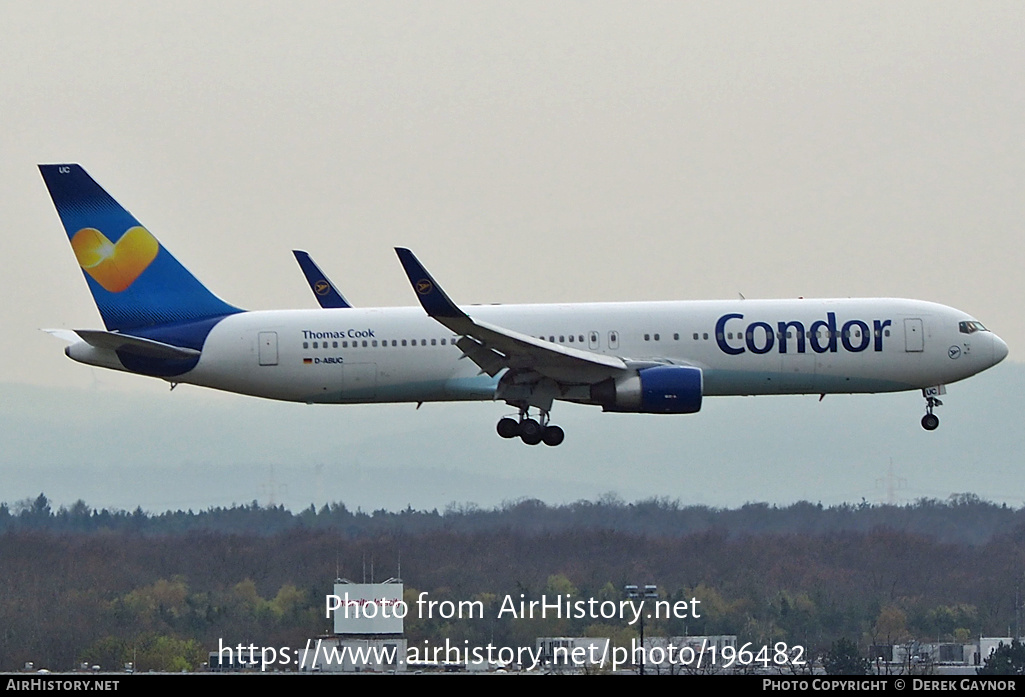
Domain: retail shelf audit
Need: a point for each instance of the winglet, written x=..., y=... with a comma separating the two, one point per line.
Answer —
x=325, y=291
x=434, y=300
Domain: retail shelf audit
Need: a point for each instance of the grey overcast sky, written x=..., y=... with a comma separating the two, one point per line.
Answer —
x=528, y=152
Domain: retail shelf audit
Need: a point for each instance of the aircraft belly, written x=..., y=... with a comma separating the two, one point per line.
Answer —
x=744, y=382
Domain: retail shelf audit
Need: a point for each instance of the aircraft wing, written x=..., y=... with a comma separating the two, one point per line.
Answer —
x=493, y=348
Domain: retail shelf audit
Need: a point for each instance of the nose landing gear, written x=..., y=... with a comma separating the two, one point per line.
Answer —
x=930, y=422
x=531, y=431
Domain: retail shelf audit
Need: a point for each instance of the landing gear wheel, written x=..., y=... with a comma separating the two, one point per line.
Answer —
x=930, y=422
x=508, y=428
x=530, y=432
x=553, y=436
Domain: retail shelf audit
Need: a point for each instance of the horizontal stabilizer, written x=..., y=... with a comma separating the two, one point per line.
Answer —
x=135, y=345
x=64, y=335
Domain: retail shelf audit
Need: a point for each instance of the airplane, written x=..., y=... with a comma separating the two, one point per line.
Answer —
x=326, y=293
x=635, y=357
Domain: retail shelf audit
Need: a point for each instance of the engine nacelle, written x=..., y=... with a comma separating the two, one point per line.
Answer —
x=664, y=389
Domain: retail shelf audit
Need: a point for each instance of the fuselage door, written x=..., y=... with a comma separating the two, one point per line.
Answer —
x=592, y=340
x=613, y=340
x=914, y=335
x=268, y=348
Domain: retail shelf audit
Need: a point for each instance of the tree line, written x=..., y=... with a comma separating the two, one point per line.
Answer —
x=106, y=587
x=962, y=518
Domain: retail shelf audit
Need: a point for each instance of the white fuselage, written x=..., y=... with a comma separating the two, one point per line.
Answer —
x=743, y=347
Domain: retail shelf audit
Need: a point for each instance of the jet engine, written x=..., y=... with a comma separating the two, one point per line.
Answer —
x=664, y=389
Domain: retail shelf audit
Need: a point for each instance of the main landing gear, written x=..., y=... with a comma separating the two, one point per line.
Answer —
x=930, y=422
x=531, y=431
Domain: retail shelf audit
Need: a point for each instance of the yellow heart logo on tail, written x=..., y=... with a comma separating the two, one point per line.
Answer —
x=115, y=266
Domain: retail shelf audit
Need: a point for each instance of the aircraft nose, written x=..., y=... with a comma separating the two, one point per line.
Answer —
x=999, y=349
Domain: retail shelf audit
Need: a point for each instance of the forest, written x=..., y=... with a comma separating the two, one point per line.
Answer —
x=105, y=587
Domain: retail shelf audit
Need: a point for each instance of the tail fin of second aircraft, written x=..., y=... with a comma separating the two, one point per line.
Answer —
x=325, y=291
x=134, y=280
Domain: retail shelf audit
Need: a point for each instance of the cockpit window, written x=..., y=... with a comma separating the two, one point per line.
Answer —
x=971, y=327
